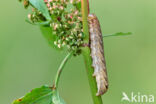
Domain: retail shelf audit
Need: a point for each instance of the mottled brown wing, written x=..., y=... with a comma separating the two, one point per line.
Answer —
x=97, y=54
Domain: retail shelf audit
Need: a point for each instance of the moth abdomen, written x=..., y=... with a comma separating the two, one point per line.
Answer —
x=97, y=54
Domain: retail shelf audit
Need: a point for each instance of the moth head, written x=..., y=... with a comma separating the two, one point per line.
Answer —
x=91, y=17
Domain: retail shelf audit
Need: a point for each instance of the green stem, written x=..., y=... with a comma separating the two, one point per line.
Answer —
x=60, y=69
x=118, y=34
x=86, y=54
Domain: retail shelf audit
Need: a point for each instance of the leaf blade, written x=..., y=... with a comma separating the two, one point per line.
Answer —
x=118, y=34
x=42, y=95
x=41, y=6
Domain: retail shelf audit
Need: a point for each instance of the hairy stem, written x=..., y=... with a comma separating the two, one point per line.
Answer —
x=86, y=54
x=60, y=69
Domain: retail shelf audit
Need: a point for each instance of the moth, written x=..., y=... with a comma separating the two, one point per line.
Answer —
x=97, y=54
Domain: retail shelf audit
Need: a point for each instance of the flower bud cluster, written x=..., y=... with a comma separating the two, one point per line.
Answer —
x=66, y=23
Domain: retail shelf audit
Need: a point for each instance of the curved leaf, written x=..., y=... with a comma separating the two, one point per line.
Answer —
x=41, y=95
x=41, y=6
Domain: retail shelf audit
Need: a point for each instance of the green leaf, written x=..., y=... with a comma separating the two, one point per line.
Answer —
x=56, y=99
x=41, y=6
x=50, y=37
x=41, y=95
x=44, y=23
x=118, y=34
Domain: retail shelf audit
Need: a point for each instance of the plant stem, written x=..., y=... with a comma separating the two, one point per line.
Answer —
x=117, y=34
x=86, y=54
x=60, y=69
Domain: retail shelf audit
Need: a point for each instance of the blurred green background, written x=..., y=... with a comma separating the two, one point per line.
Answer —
x=27, y=62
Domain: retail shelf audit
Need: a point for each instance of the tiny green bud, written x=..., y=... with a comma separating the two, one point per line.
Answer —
x=26, y=3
